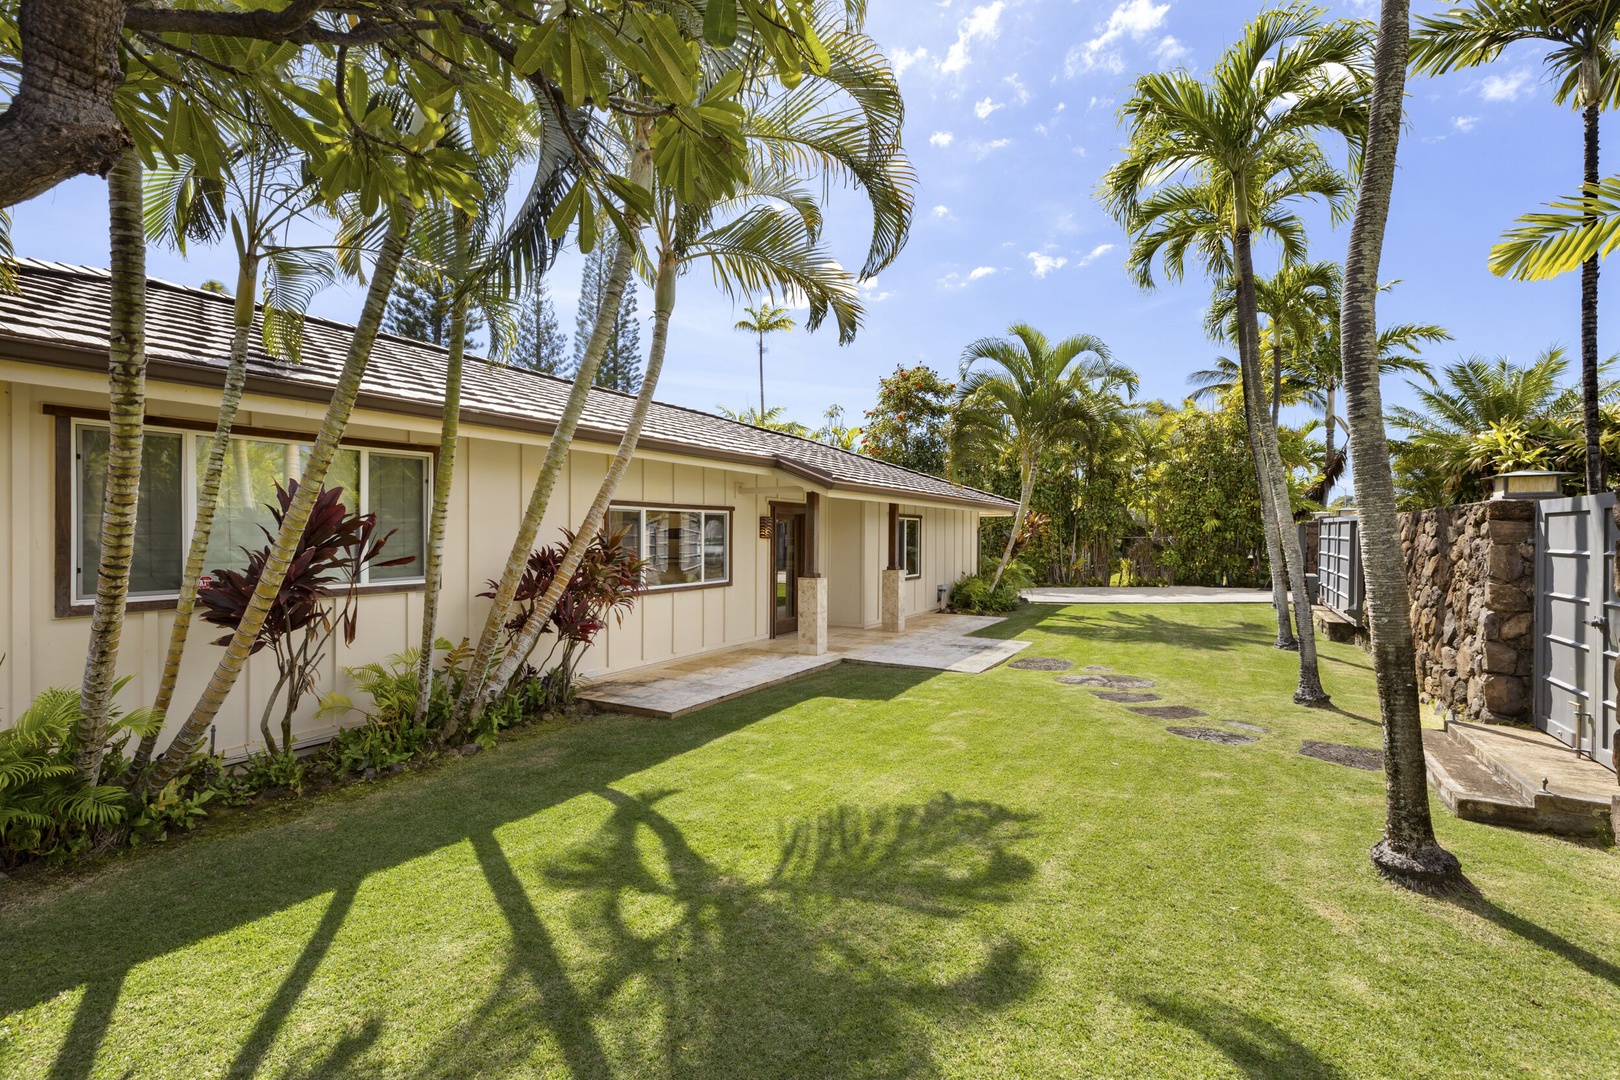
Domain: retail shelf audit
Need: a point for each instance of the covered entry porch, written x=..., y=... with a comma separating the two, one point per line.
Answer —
x=931, y=641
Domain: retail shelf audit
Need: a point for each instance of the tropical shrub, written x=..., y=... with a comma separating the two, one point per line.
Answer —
x=606, y=585
x=46, y=808
x=972, y=594
x=335, y=547
x=390, y=736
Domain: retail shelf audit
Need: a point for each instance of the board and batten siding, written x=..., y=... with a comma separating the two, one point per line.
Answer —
x=495, y=470
x=858, y=543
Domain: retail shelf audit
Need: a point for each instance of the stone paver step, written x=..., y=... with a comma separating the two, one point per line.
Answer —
x=1483, y=779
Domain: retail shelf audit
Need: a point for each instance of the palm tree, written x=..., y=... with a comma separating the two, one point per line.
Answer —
x=1033, y=394
x=771, y=419
x=126, y=364
x=760, y=233
x=1408, y=853
x=1247, y=141
x=1584, y=36
x=262, y=192
x=834, y=432
x=764, y=318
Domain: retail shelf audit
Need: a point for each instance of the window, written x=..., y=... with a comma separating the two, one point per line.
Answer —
x=911, y=546
x=392, y=484
x=683, y=547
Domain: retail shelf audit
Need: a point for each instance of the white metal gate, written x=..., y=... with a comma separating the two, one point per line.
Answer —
x=1338, y=566
x=1577, y=623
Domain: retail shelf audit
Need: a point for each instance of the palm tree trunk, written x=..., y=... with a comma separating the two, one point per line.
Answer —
x=762, y=376
x=500, y=611
x=1408, y=854
x=445, y=471
x=663, y=306
x=126, y=415
x=1026, y=491
x=202, y=528
x=1276, y=562
x=1309, y=691
x=1589, y=326
x=1331, y=417
x=1276, y=377
x=310, y=483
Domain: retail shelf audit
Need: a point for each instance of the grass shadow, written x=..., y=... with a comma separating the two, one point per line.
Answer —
x=785, y=976
x=1149, y=628
x=1598, y=967
x=1256, y=1047
x=78, y=933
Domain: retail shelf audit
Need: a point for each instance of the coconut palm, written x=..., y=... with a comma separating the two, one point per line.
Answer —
x=1207, y=166
x=772, y=419
x=261, y=193
x=1584, y=60
x=1408, y=853
x=126, y=414
x=1029, y=395
x=764, y=318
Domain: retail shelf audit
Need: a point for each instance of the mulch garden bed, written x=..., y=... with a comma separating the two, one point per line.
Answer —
x=1169, y=712
x=1041, y=663
x=1109, y=682
x=1355, y=757
x=1204, y=734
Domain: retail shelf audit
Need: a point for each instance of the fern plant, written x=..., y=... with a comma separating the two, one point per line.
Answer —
x=44, y=806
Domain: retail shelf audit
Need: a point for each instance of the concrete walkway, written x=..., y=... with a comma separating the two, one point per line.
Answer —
x=1177, y=594
x=932, y=641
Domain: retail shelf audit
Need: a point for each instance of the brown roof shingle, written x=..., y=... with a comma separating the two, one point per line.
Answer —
x=61, y=312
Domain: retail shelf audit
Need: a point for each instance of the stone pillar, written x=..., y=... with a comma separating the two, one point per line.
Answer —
x=894, y=618
x=812, y=615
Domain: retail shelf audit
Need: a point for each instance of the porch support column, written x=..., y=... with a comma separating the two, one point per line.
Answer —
x=812, y=586
x=894, y=618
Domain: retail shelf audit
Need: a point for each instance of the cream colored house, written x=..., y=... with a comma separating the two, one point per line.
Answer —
x=751, y=534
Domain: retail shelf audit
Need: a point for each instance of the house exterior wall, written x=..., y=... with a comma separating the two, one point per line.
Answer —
x=495, y=470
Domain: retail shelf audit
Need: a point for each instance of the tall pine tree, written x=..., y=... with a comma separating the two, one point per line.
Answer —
x=421, y=311
x=621, y=363
x=540, y=344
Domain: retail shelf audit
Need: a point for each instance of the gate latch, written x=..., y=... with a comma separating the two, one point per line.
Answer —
x=1598, y=622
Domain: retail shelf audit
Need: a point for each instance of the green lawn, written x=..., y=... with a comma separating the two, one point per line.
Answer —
x=864, y=873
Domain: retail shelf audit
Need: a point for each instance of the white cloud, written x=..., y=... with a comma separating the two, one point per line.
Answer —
x=871, y=294
x=1170, y=52
x=954, y=280
x=1463, y=124
x=1094, y=254
x=941, y=139
x=983, y=150
x=982, y=24
x=1043, y=264
x=1132, y=18
x=1510, y=87
x=942, y=211
x=1019, y=90
x=903, y=59
x=985, y=107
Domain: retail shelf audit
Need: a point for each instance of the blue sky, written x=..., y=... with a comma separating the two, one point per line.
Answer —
x=1010, y=122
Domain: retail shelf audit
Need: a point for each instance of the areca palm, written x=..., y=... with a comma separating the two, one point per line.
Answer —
x=259, y=195
x=1030, y=395
x=764, y=318
x=1253, y=126
x=1584, y=59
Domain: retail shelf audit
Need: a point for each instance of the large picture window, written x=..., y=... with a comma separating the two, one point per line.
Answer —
x=911, y=546
x=684, y=547
x=391, y=484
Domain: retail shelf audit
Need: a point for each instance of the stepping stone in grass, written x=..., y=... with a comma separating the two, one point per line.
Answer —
x=1204, y=734
x=1108, y=682
x=1041, y=663
x=1241, y=726
x=1096, y=667
x=1169, y=712
x=1356, y=757
x=1126, y=697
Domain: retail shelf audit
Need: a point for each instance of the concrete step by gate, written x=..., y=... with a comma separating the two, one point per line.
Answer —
x=1520, y=778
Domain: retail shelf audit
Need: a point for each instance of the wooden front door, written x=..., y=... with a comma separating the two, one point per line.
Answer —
x=787, y=563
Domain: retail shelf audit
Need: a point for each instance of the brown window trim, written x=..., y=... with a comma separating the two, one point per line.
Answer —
x=731, y=542
x=73, y=412
x=62, y=510
x=903, y=518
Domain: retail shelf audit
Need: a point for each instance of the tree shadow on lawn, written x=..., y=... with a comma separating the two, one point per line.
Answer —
x=84, y=935
x=694, y=972
x=1129, y=628
x=1259, y=1048
x=1598, y=967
